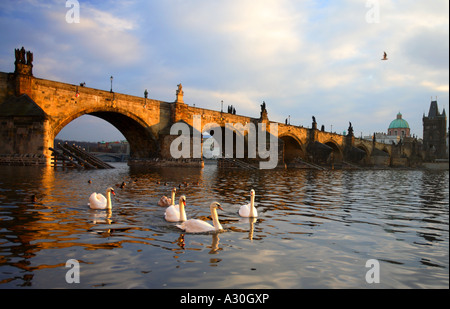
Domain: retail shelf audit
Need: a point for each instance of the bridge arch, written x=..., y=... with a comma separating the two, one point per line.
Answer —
x=214, y=141
x=143, y=143
x=387, y=150
x=235, y=140
x=366, y=158
x=292, y=148
x=336, y=154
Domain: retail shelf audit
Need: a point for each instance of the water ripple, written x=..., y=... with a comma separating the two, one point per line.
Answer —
x=315, y=228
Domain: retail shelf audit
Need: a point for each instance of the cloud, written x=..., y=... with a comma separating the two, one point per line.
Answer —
x=246, y=103
x=428, y=48
x=308, y=59
x=303, y=58
x=106, y=20
x=99, y=36
x=435, y=87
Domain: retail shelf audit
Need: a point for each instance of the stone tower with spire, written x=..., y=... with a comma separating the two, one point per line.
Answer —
x=435, y=133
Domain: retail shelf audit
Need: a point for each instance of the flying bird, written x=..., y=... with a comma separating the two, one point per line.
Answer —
x=384, y=56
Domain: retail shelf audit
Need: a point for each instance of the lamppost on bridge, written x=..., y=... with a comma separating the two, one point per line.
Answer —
x=221, y=106
x=111, y=78
x=145, y=97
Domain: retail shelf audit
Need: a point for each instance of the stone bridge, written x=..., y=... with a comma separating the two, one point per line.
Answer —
x=34, y=110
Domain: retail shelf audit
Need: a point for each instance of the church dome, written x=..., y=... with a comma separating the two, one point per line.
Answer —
x=399, y=127
x=399, y=123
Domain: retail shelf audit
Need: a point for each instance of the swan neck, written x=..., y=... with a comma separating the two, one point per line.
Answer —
x=215, y=218
x=173, y=197
x=182, y=211
x=108, y=200
x=252, y=205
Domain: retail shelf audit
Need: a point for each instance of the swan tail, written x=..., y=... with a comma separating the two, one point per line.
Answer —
x=97, y=201
x=172, y=214
x=181, y=226
x=196, y=226
x=244, y=211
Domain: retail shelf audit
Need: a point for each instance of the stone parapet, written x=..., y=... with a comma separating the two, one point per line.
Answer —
x=157, y=162
x=23, y=159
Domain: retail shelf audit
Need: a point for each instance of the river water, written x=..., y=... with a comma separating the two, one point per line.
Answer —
x=316, y=229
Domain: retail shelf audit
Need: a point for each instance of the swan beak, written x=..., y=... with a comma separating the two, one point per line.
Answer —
x=220, y=207
x=113, y=193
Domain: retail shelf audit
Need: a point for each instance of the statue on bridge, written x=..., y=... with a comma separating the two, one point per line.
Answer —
x=263, y=111
x=314, y=123
x=231, y=110
x=263, y=107
x=180, y=94
x=350, y=129
x=180, y=89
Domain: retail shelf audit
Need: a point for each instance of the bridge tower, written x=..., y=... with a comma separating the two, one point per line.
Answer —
x=23, y=71
x=435, y=133
x=23, y=124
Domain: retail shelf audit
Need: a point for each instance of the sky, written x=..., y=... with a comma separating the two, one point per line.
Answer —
x=303, y=58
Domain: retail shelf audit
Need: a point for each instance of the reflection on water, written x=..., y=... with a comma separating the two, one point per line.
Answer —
x=316, y=229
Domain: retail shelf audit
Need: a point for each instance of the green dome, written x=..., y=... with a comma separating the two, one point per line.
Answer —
x=399, y=123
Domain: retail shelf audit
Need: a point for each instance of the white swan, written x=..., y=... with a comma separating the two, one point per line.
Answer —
x=176, y=213
x=165, y=201
x=98, y=200
x=249, y=210
x=199, y=226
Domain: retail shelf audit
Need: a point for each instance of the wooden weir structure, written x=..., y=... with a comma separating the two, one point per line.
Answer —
x=230, y=163
x=74, y=156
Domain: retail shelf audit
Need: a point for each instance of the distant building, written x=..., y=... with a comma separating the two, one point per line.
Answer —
x=435, y=133
x=399, y=127
x=397, y=131
x=381, y=137
x=114, y=147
